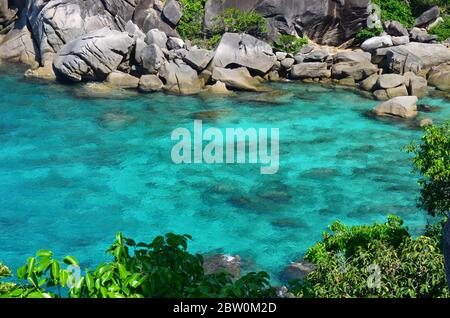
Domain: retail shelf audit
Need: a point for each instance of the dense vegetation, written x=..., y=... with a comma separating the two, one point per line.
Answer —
x=432, y=161
x=382, y=260
x=290, y=43
x=190, y=26
x=367, y=33
x=442, y=30
x=162, y=268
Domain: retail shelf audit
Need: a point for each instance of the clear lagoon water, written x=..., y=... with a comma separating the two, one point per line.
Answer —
x=74, y=170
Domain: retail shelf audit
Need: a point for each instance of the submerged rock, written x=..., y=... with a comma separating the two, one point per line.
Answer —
x=227, y=263
x=297, y=271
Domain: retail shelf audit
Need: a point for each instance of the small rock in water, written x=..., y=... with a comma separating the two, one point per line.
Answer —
x=297, y=271
x=426, y=122
x=221, y=262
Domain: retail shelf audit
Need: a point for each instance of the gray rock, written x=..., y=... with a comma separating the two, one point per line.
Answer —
x=357, y=70
x=172, y=12
x=244, y=50
x=175, y=43
x=395, y=28
x=381, y=94
x=297, y=271
x=390, y=80
x=308, y=48
x=150, y=83
x=281, y=56
x=133, y=29
x=397, y=91
x=310, y=70
x=369, y=83
x=56, y=23
x=352, y=56
x=417, y=85
x=400, y=40
x=412, y=57
x=152, y=58
x=439, y=76
x=157, y=37
x=198, y=58
x=218, y=88
x=404, y=106
x=18, y=45
x=148, y=15
x=238, y=78
x=180, y=78
x=328, y=22
x=421, y=35
x=93, y=56
x=428, y=17
x=317, y=56
x=377, y=42
x=122, y=80
x=287, y=63
x=227, y=263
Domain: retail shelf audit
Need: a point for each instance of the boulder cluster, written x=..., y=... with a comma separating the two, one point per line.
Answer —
x=134, y=44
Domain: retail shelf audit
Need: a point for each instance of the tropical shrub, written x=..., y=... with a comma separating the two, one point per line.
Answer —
x=374, y=261
x=191, y=23
x=398, y=10
x=5, y=287
x=162, y=268
x=442, y=30
x=237, y=21
x=290, y=43
x=367, y=33
x=432, y=161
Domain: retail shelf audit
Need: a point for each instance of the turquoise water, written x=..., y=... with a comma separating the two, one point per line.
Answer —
x=70, y=177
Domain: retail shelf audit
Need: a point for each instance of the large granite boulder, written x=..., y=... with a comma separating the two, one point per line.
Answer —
x=122, y=80
x=412, y=57
x=439, y=76
x=238, y=79
x=180, y=78
x=417, y=85
x=428, y=17
x=351, y=56
x=18, y=45
x=55, y=23
x=149, y=14
x=377, y=42
x=93, y=56
x=310, y=70
x=356, y=70
x=325, y=21
x=390, y=80
x=421, y=35
x=395, y=28
x=152, y=58
x=172, y=12
x=150, y=83
x=244, y=50
x=198, y=58
x=403, y=106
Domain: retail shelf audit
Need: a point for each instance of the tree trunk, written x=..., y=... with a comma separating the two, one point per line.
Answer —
x=447, y=251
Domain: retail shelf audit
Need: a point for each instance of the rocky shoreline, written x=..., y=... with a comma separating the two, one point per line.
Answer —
x=134, y=45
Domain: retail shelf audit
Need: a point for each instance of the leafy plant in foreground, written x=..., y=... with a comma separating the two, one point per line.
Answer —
x=162, y=268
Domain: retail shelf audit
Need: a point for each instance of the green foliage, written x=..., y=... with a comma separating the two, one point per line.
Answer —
x=162, y=268
x=367, y=33
x=191, y=23
x=432, y=161
x=398, y=10
x=442, y=30
x=420, y=6
x=374, y=261
x=348, y=240
x=290, y=43
x=237, y=21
